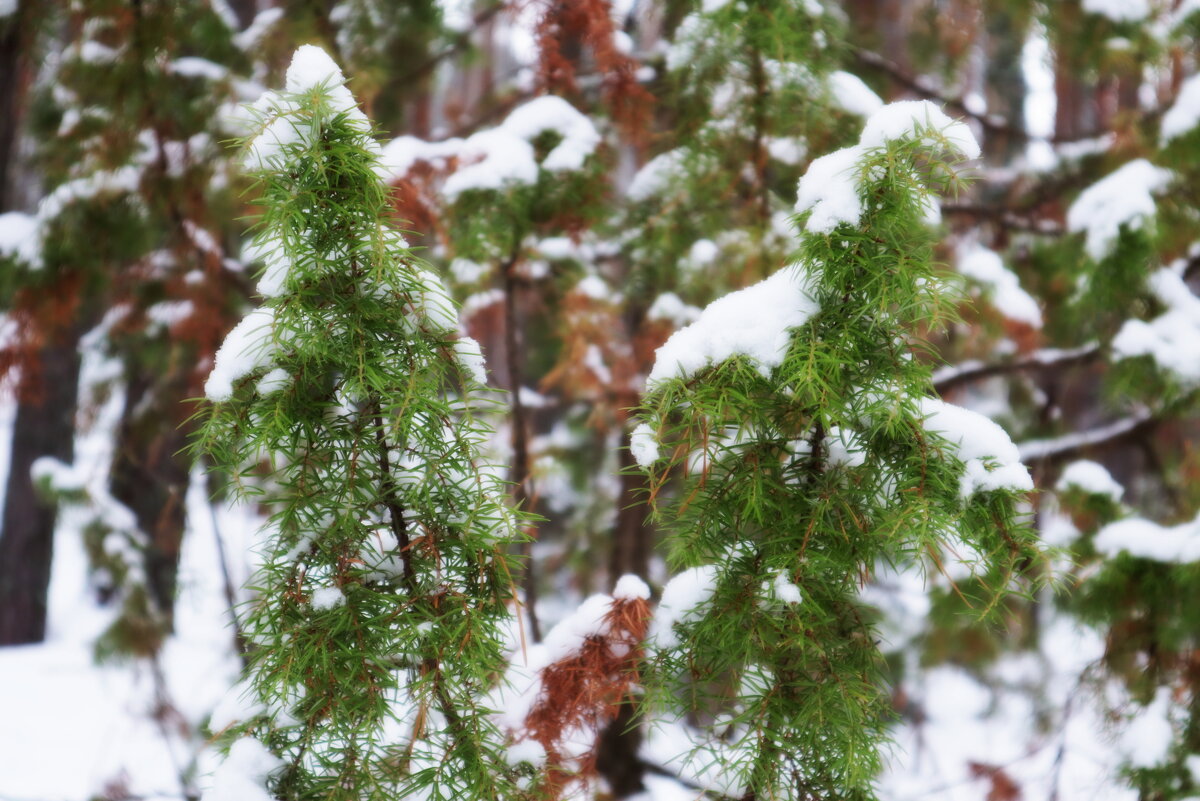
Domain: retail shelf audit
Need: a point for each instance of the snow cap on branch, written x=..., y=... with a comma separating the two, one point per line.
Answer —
x=992, y=460
x=500, y=157
x=1124, y=197
x=282, y=124
x=831, y=187
x=753, y=322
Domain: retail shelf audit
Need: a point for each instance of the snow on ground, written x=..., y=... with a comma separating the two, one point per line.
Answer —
x=72, y=726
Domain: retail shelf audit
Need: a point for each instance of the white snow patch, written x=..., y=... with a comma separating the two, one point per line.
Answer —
x=992, y=460
x=644, y=445
x=1172, y=339
x=851, y=95
x=248, y=347
x=831, y=186
x=754, y=322
x=470, y=355
x=682, y=601
x=20, y=237
x=1119, y=10
x=668, y=307
x=244, y=773
x=985, y=266
x=1092, y=478
x=1148, y=540
x=504, y=155
x=1123, y=197
x=630, y=587
x=327, y=598
x=658, y=174
x=1147, y=740
x=1184, y=115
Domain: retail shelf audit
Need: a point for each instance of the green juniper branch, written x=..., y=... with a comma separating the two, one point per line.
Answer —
x=342, y=405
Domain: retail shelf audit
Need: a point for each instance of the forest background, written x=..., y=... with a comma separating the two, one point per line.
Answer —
x=584, y=177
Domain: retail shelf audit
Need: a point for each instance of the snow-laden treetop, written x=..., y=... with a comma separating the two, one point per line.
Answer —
x=832, y=187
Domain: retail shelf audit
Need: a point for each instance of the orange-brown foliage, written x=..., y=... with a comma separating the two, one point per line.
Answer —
x=584, y=691
x=40, y=317
x=564, y=30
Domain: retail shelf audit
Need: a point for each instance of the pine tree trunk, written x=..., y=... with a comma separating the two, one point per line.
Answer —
x=15, y=74
x=44, y=426
x=150, y=475
x=617, y=759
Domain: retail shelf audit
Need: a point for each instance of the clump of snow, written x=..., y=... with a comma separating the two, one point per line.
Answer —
x=504, y=155
x=195, y=67
x=1172, y=339
x=436, y=303
x=629, y=588
x=852, y=95
x=682, y=600
x=830, y=189
x=248, y=347
x=276, y=265
x=1184, y=115
x=658, y=173
x=499, y=159
x=470, y=355
x=244, y=773
x=525, y=752
x=985, y=266
x=1147, y=540
x=57, y=474
x=593, y=286
x=568, y=637
x=1119, y=10
x=644, y=445
x=784, y=589
x=466, y=271
x=992, y=461
x=1147, y=740
x=1124, y=197
x=327, y=598
x=1092, y=478
x=754, y=322
x=901, y=119
x=579, y=137
x=702, y=253
x=843, y=448
x=401, y=154
x=20, y=237
x=275, y=380
x=263, y=21
x=669, y=307
x=238, y=705
x=311, y=70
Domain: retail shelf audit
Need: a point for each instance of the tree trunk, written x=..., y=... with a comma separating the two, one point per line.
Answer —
x=44, y=426
x=150, y=476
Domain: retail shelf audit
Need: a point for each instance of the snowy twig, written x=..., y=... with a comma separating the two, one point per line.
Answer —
x=228, y=587
x=992, y=123
x=1007, y=217
x=1055, y=448
x=953, y=376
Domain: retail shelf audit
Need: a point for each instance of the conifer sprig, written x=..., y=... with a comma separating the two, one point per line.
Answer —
x=809, y=464
x=343, y=407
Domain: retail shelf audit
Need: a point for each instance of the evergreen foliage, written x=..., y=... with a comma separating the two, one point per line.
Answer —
x=801, y=479
x=386, y=578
